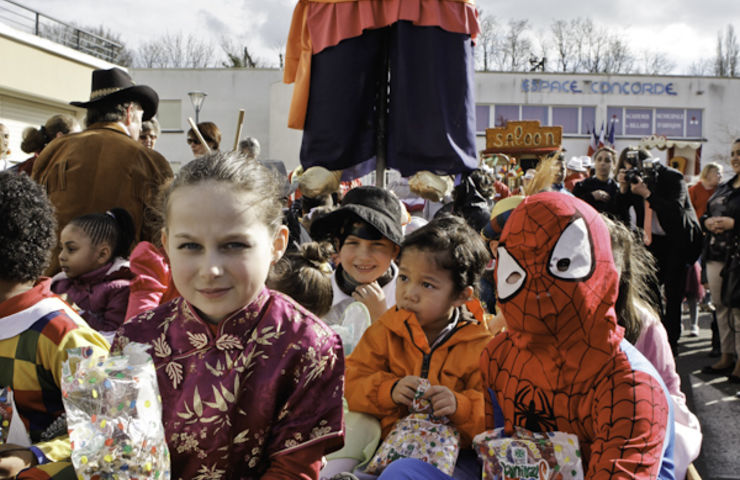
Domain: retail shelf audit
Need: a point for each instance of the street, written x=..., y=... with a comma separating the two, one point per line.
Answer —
x=712, y=398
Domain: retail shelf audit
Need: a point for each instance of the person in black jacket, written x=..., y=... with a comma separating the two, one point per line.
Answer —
x=601, y=190
x=667, y=219
x=722, y=224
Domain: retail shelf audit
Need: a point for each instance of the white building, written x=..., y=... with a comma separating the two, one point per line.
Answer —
x=45, y=76
x=686, y=110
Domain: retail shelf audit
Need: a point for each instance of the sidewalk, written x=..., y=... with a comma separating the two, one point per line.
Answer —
x=713, y=401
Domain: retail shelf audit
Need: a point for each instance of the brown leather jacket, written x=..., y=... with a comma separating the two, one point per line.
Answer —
x=98, y=169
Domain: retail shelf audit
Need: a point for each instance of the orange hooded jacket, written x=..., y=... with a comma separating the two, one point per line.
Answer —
x=395, y=346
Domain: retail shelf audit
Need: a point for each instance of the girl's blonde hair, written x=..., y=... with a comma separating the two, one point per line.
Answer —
x=635, y=266
x=243, y=174
x=708, y=168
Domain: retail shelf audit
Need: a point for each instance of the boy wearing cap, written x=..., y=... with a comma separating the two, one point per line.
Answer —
x=366, y=231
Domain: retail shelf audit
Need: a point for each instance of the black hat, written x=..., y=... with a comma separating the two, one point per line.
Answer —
x=375, y=206
x=114, y=86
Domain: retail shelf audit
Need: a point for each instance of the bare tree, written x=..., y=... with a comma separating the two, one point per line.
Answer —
x=565, y=44
x=655, y=63
x=701, y=68
x=238, y=57
x=175, y=51
x=728, y=51
x=516, y=47
x=489, y=42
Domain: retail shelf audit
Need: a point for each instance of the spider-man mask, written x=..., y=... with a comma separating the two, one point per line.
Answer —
x=557, y=285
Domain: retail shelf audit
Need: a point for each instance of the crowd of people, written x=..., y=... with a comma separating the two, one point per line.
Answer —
x=294, y=324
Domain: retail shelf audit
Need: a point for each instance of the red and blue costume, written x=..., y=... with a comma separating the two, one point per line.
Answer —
x=562, y=364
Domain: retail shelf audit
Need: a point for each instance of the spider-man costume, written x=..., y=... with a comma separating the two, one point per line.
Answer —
x=562, y=364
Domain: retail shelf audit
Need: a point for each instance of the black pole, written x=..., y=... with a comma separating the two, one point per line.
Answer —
x=382, y=113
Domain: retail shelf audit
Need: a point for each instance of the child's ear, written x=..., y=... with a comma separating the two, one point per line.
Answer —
x=104, y=254
x=163, y=239
x=280, y=243
x=465, y=295
x=396, y=251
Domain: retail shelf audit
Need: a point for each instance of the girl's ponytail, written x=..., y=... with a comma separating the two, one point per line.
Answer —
x=126, y=231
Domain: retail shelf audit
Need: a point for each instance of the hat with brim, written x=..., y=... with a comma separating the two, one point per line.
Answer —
x=499, y=216
x=114, y=86
x=430, y=186
x=574, y=163
x=318, y=181
x=375, y=206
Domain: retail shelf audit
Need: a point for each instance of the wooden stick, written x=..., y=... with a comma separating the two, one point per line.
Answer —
x=198, y=134
x=239, y=125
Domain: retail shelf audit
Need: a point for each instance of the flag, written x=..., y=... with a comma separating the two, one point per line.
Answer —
x=610, y=139
x=594, y=142
x=601, y=138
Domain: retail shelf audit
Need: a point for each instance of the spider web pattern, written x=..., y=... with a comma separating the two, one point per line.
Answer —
x=559, y=366
x=620, y=418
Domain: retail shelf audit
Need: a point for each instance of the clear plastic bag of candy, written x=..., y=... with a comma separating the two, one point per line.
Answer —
x=526, y=455
x=114, y=415
x=12, y=429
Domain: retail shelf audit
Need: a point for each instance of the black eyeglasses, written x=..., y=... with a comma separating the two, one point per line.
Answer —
x=193, y=141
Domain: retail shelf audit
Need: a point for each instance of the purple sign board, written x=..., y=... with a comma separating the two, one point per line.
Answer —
x=638, y=122
x=669, y=122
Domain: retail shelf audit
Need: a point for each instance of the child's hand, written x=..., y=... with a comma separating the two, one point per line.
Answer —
x=443, y=400
x=403, y=392
x=373, y=297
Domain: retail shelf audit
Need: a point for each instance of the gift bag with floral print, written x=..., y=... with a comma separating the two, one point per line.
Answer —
x=419, y=435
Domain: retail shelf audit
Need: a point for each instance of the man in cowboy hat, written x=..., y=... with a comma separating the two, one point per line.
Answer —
x=105, y=166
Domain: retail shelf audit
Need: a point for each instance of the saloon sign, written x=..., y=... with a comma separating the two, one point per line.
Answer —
x=523, y=136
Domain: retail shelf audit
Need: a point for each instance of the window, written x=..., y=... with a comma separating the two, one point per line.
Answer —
x=505, y=113
x=535, y=112
x=669, y=122
x=482, y=118
x=566, y=117
x=614, y=120
x=638, y=121
x=588, y=120
x=693, y=123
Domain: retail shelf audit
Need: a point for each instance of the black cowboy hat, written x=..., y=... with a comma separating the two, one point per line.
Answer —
x=375, y=206
x=114, y=86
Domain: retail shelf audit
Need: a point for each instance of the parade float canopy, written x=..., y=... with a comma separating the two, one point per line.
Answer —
x=662, y=143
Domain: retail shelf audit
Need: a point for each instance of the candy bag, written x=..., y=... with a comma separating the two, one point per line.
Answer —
x=528, y=455
x=12, y=429
x=114, y=415
x=419, y=435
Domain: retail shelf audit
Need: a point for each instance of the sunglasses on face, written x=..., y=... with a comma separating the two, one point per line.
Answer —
x=193, y=141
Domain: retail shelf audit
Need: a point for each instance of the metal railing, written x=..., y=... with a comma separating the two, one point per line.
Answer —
x=30, y=21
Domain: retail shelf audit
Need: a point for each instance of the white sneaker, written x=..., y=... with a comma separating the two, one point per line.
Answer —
x=694, y=331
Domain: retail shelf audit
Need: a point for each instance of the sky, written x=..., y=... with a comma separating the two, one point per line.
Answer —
x=685, y=30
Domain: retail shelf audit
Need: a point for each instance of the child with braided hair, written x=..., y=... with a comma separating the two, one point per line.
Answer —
x=95, y=271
